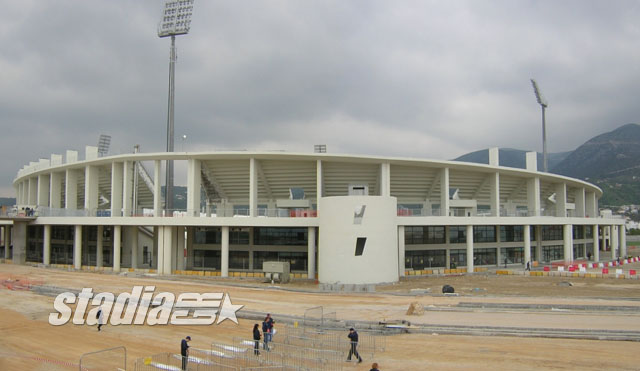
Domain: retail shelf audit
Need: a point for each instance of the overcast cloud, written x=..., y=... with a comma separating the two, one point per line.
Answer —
x=432, y=79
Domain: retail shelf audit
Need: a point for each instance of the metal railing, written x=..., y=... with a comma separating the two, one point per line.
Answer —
x=300, y=358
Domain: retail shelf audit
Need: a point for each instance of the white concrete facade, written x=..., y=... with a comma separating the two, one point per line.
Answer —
x=259, y=206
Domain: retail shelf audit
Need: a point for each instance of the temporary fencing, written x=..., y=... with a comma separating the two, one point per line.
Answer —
x=313, y=317
x=369, y=343
x=105, y=359
x=244, y=357
x=299, y=358
x=173, y=362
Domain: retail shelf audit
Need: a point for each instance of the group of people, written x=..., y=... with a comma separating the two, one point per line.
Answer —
x=267, y=335
x=267, y=331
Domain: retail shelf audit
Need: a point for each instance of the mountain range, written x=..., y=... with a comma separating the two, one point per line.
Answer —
x=610, y=161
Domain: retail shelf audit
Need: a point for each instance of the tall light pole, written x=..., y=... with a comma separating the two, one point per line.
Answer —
x=176, y=20
x=543, y=103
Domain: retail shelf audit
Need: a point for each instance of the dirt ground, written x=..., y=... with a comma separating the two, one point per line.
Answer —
x=29, y=342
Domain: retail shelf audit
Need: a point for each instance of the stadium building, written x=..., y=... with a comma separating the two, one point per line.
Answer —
x=341, y=218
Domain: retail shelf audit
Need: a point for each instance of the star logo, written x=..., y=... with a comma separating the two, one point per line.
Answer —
x=228, y=310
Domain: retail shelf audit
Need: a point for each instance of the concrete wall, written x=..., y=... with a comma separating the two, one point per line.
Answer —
x=340, y=227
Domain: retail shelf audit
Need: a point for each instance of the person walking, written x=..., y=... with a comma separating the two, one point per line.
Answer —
x=256, y=340
x=353, y=336
x=100, y=318
x=184, y=352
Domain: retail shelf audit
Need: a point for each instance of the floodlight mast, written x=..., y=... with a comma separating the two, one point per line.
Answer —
x=543, y=104
x=176, y=20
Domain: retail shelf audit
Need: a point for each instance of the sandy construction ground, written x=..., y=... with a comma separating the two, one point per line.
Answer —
x=29, y=342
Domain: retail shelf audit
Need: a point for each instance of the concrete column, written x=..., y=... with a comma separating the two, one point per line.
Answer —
x=33, y=191
x=495, y=194
x=46, y=253
x=133, y=240
x=591, y=205
x=444, y=192
x=224, y=253
x=401, y=251
x=91, y=179
x=157, y=190
x=533, y=185
x=43, y=189
x=623, y=241
x=99, y=245
x=55, y=193
x=117, y=247
x=469, y=249
x=165, y=240
x=568, y=243
x=319, y=188
x=71, y=190
x=539, y=242
x=19, y=240
x=311, y=253
x=527, y=244
x=385, y=179
x=533, y=196
x=596, y=244
x=253, y=187
x=77, y=247
x=127, y=188
x=561, y=200
x=613, y=237
x=180, y=249
x=116, y=188
x=579, y=195
x=193, y=187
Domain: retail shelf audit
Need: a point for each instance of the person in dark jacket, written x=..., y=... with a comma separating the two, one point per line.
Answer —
x=184, y=351
x=267, y=330
x=374, y=367
x=353, y=336
x=256, y=339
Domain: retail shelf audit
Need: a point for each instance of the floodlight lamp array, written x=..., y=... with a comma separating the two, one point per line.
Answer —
x=176, y=18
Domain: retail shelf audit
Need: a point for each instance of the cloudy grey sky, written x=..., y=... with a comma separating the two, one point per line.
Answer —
x=432, y=79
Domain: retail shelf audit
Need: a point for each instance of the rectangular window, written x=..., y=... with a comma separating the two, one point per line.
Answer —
x=208, y=236
x=512, y=254
x=578, y=232
x=484, y=233
x=238, y=260
x=424, y=259
x=458, y=257
x=552, y=233
x=458, y=234
x=239, y=236
x=551, y=253
x=485, y=256
x=280, y=236
x=588, y=231
x=511, y=233
x=207, y=259
x=424, y=235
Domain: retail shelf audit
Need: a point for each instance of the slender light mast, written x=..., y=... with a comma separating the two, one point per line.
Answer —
x=176, y=20
x=543, y=103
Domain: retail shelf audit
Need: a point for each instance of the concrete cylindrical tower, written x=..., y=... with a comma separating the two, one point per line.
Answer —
x=358, y=240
